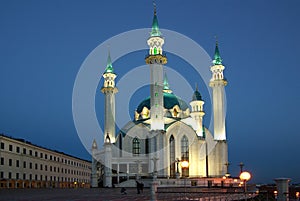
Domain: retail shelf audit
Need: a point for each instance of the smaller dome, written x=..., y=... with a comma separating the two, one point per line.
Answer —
x=196, y=96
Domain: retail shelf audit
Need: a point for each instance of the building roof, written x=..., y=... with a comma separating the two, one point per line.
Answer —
x=29, y=143
x=196, y=95
x=170, y=100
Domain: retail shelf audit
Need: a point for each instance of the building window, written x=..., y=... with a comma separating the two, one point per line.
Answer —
x=36, y=154
x=2, y=161
x=136, y=146
x=1, y=175
x=46, y=168
x=10, y=162
x=50, y=157
x=41, y=166
x=18, y=149
x=36, y=166
x=30, y=165
x=30, y=152
x=17, y=175
x=2, y=145
x=9, y=175
x=24, y=176
x=41, y=155
x=24, y=151
x=10, y=148
x=24, y=164
x=46, y=156
x=185, y=154
x=17, y=163
x=172, y=156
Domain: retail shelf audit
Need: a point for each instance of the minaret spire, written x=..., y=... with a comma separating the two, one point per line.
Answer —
x=166, y=84
x=217, y=58
x=155, y=29
x=109, y=68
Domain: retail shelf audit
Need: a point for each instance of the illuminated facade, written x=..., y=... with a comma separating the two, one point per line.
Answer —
x=24, y=165
x=166, y=138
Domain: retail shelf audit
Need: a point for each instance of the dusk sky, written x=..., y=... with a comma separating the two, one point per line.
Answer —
x=43, y=45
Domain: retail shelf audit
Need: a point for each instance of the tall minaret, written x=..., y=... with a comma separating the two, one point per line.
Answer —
x=109, y=89
x=156, y=60
x=94, y=177
x=197, y=112
x=217, y=83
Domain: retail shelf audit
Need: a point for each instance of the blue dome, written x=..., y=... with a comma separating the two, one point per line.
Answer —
x=170, y=100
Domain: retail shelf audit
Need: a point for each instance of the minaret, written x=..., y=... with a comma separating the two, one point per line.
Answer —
x=219, y=156
x=197, y=112
x=109, y=90
x=156, y=60
x=217, y=83
x=94, y=180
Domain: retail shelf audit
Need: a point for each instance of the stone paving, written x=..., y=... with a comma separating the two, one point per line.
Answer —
x=97, y=194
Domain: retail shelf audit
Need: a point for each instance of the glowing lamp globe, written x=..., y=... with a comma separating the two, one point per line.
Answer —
x=184, y=164
x=245, y=176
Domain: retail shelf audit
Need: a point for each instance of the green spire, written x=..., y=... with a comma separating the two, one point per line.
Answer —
x=196, y=95
x=109, y=68
x=217, y=58
x=155, y=30
x=166, y=83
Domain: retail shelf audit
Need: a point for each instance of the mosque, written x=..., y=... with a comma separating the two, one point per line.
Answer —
x=167, y=138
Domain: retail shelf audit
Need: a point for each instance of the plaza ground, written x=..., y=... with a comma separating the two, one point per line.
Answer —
x=93, y=194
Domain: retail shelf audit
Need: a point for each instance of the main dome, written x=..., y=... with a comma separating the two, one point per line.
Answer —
x=170, y=100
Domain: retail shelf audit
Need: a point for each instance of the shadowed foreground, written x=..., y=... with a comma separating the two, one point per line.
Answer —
x=101, y=194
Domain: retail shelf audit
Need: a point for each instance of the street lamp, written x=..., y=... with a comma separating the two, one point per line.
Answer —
x=245, y=176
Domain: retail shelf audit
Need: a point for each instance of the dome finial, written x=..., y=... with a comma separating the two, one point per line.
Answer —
x=154, y=6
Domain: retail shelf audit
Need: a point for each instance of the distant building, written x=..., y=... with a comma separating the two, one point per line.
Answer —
x=24, y=165
x=166, y=138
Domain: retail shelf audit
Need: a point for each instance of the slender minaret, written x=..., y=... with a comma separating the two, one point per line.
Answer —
x=94, y=180
x=109, y=89
x=217, y=83
x=156, y=60
x=197, y=112
x=219, y=156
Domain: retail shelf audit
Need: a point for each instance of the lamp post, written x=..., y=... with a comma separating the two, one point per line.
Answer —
x=241, y=166
x=245, y=176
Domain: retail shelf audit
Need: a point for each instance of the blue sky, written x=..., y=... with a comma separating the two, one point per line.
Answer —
x=44, y=43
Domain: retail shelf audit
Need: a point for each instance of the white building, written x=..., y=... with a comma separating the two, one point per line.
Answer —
x=24, y=165
x=166, y=133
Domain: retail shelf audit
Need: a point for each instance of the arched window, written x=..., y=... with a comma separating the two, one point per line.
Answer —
x=136, y=149
x=185, y=154
x=172, y=156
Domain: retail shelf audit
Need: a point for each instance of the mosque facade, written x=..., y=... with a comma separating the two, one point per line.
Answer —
x=167, y=138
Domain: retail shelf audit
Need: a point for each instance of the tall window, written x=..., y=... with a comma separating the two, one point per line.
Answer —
x=172, y=156
x=136, y=149
x=185, y=154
